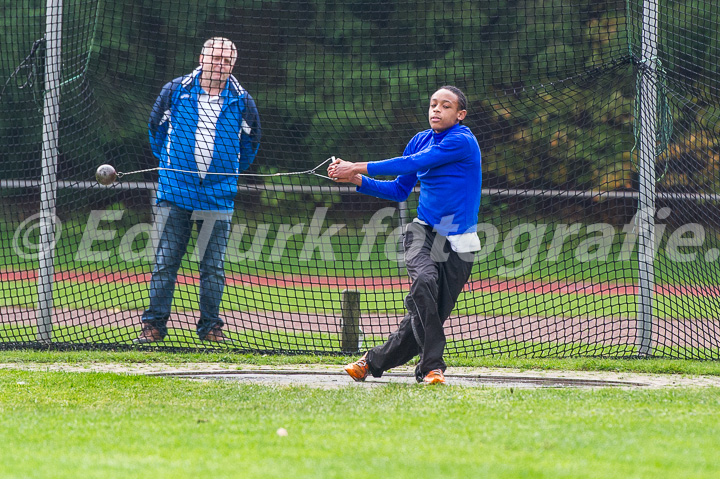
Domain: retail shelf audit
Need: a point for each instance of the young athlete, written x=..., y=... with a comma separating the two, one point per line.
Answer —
x=439, y=243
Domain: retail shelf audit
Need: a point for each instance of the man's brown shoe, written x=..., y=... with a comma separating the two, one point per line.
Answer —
x=358, y=370
x=435, y=376
x=216, y=335
x=149, y=334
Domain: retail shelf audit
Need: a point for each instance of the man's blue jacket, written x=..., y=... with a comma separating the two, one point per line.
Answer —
x=172, y=126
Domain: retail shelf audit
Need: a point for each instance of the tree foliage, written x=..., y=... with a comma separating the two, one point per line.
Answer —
x=551, y=83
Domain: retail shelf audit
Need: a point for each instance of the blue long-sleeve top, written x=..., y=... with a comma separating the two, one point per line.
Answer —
x=448, y=166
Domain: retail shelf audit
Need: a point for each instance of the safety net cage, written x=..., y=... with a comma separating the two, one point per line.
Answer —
x=598, y=126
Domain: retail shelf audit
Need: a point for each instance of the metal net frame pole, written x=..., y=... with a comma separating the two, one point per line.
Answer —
x=647, y=98
x=48, y=184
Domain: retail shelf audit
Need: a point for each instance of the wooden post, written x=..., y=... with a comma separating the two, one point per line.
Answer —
x=351, y=338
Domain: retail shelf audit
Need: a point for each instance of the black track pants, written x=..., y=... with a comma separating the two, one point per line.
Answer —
x=438, y=276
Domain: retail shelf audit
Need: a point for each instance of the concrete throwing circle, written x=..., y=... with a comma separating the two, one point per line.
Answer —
x=330, y=379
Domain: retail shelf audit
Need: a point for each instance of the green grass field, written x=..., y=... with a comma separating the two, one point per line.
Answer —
x=88, y=296
x=99, y=296
x=93, y=300
x=104, y=425
x=69, y=425
x=540, y=262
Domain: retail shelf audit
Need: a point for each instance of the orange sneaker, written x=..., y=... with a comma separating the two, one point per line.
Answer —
x=358, y=370
x=435, y=376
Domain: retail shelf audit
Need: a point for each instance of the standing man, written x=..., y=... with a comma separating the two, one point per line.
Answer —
x=439, y=244
x=204, y=128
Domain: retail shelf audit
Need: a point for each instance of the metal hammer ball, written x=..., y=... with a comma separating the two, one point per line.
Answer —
x=105, y=175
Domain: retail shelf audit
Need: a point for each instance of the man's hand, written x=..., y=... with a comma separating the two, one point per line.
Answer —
x=346, y=171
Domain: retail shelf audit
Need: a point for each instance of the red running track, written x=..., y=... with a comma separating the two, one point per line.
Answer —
x=377, y=283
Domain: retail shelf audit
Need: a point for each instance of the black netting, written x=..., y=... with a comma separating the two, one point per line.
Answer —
x=597, y=121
